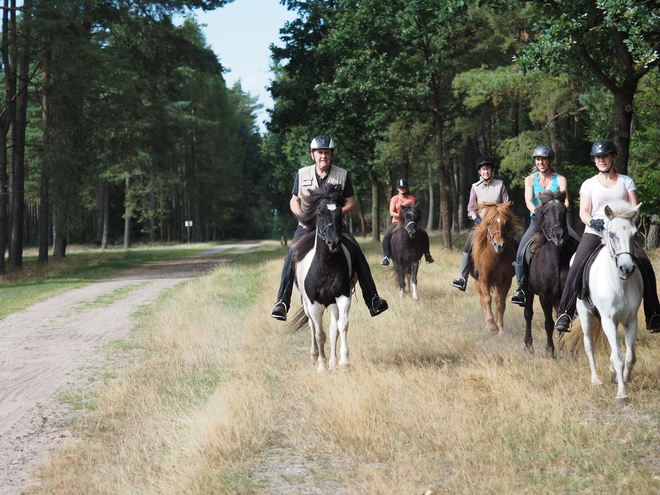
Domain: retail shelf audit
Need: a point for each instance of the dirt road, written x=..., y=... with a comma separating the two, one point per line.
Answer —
x=59, y=344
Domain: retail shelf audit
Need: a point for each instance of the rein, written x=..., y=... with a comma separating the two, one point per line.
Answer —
x=615, y=255
x=321, y=233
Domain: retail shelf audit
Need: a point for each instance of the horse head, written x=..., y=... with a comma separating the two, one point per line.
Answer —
x=552, y=214
x=409, y=218
x=619, y=236
x=322, y=211
x=497, y=221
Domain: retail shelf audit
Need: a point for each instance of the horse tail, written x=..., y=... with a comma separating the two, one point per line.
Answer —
x=573, y=343
x=299, y=320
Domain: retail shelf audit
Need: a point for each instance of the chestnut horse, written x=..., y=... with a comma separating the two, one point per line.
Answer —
x=493, y=251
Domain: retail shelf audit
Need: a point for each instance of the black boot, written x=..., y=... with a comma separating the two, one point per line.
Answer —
x=519, y=297
x=279, y=311
x=563, y=323
x=429, y=258
x=461, y=281
x=377, y=306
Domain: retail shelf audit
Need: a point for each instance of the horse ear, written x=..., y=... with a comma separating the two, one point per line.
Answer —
x=637, y=214
x=608, y=212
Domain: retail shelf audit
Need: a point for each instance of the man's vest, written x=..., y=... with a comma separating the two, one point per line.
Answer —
x=307, y=179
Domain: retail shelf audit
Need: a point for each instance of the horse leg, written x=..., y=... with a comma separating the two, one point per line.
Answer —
x=344, y=306
x=486, y=301
x=631, y=356
x=587, y=320
x=500, y=304
x=529, y=316
x=316, y=323
x=401, y=279
x=616, y=359
x=413, y=282
x=549, y=327
x=333, y=333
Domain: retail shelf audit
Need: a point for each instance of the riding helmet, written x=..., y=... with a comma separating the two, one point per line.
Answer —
x=485, y=160
x=322, y=142
x=603, y=147
x=401, y=183
x=544, y=151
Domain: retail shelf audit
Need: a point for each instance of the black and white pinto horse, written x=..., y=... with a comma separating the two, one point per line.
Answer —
x=407, y=248
x=615, y=294
x=324, y=274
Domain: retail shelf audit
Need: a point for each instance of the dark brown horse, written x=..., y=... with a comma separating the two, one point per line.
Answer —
x=407, y=247
x=549, y=264
x=493, y=252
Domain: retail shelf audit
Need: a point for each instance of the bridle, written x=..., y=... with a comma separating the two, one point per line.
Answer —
x=492, y=234
x=321, y=233
x=614, y=255
x=407, y=227
x=548, y=232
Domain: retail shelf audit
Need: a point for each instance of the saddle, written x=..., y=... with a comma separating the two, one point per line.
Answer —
x=581, y=283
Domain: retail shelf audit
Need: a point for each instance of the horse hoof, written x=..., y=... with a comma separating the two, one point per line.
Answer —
x=621, y=401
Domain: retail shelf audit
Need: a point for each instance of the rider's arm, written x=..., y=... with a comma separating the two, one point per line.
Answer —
x=472, y=205
x=393, y=209
x=585, y=208
x=632, y=198
x=295, y=205
x=529, y=193
x=563, y=186
x=351, y=204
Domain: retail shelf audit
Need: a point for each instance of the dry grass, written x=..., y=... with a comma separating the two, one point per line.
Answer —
x=220, y=398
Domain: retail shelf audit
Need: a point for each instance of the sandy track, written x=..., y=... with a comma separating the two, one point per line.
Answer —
x=58, y=343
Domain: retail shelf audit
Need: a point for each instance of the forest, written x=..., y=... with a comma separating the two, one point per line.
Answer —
x=118, y=127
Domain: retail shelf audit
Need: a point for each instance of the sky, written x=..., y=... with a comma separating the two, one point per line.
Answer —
x=240, y=34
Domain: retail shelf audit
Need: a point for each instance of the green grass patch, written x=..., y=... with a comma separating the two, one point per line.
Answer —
x=20, y=289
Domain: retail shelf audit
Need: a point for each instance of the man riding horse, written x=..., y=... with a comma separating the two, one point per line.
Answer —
x=308, y=179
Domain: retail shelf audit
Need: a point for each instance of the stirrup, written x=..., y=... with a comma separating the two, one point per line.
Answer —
x=563, y=323
x=279, y=311
x=519, y=297
x=460, y=283
x=385, y=262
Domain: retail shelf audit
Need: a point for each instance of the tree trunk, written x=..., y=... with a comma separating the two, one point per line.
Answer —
x=127, y=215
x=653, y=235
x=431, y=205
x=375, y=211
x=106, y=214
x=621, y=122
x=18, y=145
x=59, y=241
x=44, y=194
x=445, y=186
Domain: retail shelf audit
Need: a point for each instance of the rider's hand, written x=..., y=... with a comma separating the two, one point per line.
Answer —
x=597, y=224
x=477, y=220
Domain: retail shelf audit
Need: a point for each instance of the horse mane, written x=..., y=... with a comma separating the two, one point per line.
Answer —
x=491, y=211
x=623, y=209
x=330, y=192
x=545, y=197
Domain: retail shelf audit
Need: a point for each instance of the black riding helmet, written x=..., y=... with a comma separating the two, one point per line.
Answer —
x=401, y=183
x=544, y=151
x=485, y=160
x=322, y=142
x=603, y=147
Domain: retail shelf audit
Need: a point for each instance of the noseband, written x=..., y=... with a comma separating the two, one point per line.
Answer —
x=407, y=227
x=321, y=233
x=492, y=234
x=615, y=255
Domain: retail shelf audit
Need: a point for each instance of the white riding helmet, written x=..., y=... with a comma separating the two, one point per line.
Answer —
x=322, y=142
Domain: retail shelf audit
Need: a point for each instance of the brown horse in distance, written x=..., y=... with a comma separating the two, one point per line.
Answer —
x=493, y=251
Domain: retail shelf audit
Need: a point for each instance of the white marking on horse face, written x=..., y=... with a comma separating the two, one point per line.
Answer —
x=331, y=206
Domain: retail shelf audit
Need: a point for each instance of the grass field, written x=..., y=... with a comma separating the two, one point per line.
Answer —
x=217, y=397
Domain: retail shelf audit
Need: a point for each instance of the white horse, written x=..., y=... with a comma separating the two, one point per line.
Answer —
x=615, y=289
x=324, y=275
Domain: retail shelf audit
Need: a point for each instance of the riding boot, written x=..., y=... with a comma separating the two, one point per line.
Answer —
x=519, y=297
x=461, y=282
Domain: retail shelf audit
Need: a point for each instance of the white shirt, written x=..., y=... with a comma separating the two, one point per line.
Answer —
x=602, y=196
